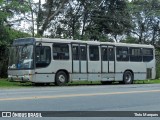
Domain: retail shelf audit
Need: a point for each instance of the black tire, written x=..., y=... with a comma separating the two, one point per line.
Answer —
x=106, y=82
x=127, y=77
x=61, y=79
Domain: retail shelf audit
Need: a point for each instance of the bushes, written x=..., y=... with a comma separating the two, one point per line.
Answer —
x=3, y=69
x=157, y=70
x=6, y=37
x=157, y=52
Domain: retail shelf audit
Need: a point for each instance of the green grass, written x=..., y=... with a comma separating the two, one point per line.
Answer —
x=4, y=83
x=147, y=81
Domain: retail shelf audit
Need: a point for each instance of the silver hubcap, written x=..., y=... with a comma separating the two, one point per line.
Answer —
x=61, y=78
x=128, y=78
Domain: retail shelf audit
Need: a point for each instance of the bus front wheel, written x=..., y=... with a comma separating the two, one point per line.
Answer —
x=127, y=77
x=61, y=79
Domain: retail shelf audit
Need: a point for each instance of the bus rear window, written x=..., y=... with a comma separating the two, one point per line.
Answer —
x=147, y=54
x=135, y=54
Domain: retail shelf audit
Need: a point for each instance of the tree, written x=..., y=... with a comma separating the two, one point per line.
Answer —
x=93, y=19
x=8, y=34
x=112, y=17
x=50, y=10
x=145, y=17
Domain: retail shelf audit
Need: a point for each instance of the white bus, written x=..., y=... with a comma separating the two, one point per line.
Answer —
x=59, y=61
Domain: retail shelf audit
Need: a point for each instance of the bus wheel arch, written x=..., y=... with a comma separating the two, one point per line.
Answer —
x=128, y=76
x=61, y=77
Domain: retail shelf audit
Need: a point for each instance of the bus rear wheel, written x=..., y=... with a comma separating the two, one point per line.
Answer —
x=127, y=77
x=61, y=79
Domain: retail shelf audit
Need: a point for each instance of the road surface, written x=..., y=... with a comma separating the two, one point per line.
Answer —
x=83, y=98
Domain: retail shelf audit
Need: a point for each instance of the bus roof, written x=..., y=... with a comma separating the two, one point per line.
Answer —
x=91, y=42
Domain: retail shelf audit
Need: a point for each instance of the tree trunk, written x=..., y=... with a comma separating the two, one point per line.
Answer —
x=49, y=17
x=32, y=18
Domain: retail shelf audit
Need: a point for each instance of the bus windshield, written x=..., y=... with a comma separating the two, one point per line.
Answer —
x=21, y=57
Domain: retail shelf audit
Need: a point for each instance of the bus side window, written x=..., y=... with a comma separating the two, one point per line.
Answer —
x=147, y=54
x=75, y=53
x=60, y=51
x=94, y=53
x=79, y=53
x=104, y=53
x=135, y=54
x=111, y=54
x=83, y=52
x=122, y=54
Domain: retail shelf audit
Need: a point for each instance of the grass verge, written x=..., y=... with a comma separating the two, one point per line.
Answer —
x=4, y=83
x=147, y=81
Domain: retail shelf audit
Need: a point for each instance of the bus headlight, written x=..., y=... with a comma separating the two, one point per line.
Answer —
x=28, y=77
x=9, y=77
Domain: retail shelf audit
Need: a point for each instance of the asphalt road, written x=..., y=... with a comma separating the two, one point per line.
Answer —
x=83, y=98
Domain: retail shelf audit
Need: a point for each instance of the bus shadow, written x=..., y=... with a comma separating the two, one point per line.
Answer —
x=67, y=85
x=79, y=84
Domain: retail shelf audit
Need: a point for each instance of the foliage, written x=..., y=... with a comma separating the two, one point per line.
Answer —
x=99, y=19
x=112, y=17
x=6, y=38
x=145, y=17
x=157, y=53
x=7, y=11
x=158, y=71
x=130, y=39
x=8, y=34
x=51, y=9
x=89, y=19
x=92, y=19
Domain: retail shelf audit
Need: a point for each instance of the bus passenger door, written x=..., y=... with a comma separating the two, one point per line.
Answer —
x=107, y=63
x=79, y=61
x=94, y=63
x=111, y=59
x=104, y=58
